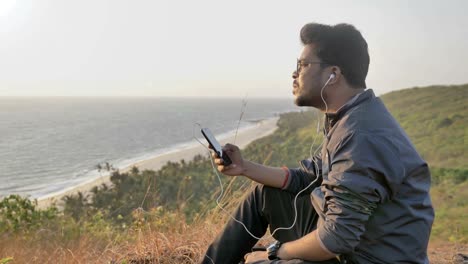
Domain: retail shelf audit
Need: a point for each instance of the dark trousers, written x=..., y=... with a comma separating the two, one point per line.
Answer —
x=264, y=207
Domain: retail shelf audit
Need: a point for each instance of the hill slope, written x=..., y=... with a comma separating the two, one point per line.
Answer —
x=436, y=120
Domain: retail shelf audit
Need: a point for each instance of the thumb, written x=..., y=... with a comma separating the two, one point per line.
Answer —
x=230, y=147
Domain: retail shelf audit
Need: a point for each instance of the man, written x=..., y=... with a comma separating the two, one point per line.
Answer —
x=370, y=203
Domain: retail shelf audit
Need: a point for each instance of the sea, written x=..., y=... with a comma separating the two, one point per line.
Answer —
x=51, y=144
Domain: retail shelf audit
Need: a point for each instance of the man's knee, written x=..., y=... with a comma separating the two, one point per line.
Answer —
x=268, y=198
x=271, y=198
x=275, y=195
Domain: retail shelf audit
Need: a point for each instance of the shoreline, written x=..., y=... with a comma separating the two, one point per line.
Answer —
x=244, y=138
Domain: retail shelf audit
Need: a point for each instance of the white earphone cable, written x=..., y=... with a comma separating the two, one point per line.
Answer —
x=297, y=195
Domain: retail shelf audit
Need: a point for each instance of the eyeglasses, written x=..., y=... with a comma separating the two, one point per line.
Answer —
x=301, y=63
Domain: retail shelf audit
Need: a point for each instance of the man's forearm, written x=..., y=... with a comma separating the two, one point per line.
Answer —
x=307, y=248
x=269, y=176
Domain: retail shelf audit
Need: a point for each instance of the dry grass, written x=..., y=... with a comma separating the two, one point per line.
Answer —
x=151, y=239
x=84, y=250
x=184, y=244
x=166, y=240
x=447, y=253
x=180, y=243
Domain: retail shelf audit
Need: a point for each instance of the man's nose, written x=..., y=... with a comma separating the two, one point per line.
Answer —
x=294, y=74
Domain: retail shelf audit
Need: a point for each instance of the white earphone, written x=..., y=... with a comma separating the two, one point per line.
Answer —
x=332, y=76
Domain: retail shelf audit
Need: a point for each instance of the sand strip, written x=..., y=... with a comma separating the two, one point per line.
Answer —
x=244, y=137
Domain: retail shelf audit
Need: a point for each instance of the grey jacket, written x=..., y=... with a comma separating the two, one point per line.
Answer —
x=373, y=200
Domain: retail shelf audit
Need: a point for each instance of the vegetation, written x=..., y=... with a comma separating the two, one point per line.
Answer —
x=170, y=215
x=436, y=120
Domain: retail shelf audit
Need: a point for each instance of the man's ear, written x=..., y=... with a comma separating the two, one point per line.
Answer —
x=335, y=74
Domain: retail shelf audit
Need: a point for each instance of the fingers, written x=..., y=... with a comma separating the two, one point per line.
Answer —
x=228, y=148
x=222, y=168
x=219, y=162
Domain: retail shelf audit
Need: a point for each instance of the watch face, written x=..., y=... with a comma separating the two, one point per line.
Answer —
x=272, y=250
x=271, y=247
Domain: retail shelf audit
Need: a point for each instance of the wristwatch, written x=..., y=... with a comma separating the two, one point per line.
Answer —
x=272, y=250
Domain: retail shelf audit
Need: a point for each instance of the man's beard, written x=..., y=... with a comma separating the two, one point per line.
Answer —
x=308, y=99
x=301, y=101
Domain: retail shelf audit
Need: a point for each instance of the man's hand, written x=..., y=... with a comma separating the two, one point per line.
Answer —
x=256, y=256
x=237, y=166
x=274, y=177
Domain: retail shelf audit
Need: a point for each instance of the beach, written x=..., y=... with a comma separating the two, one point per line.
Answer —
x=244, y=137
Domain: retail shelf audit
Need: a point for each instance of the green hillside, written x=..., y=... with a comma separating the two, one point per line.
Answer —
x=436, y=120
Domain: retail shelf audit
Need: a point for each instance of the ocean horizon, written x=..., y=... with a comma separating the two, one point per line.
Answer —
x=50, y=144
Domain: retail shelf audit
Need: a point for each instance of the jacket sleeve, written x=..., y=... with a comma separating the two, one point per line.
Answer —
x=301, y=177
x=353, y=189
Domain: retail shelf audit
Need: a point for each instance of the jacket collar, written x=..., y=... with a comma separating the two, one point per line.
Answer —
x=332, y=118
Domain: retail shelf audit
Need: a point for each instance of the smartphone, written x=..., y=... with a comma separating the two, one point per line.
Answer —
x=216, y=146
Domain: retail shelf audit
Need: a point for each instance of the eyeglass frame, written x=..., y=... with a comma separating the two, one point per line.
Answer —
x=301, y=63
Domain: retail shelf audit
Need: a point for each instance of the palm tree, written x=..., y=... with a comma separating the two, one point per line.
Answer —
x=109, y=166
x=99, y=168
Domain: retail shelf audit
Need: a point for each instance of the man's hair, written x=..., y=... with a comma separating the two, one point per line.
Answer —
x=341, y=45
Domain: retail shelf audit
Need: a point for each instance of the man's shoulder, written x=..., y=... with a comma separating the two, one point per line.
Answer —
x=370, y=116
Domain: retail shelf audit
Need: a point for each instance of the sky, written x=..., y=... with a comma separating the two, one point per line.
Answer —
x=216, y=48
